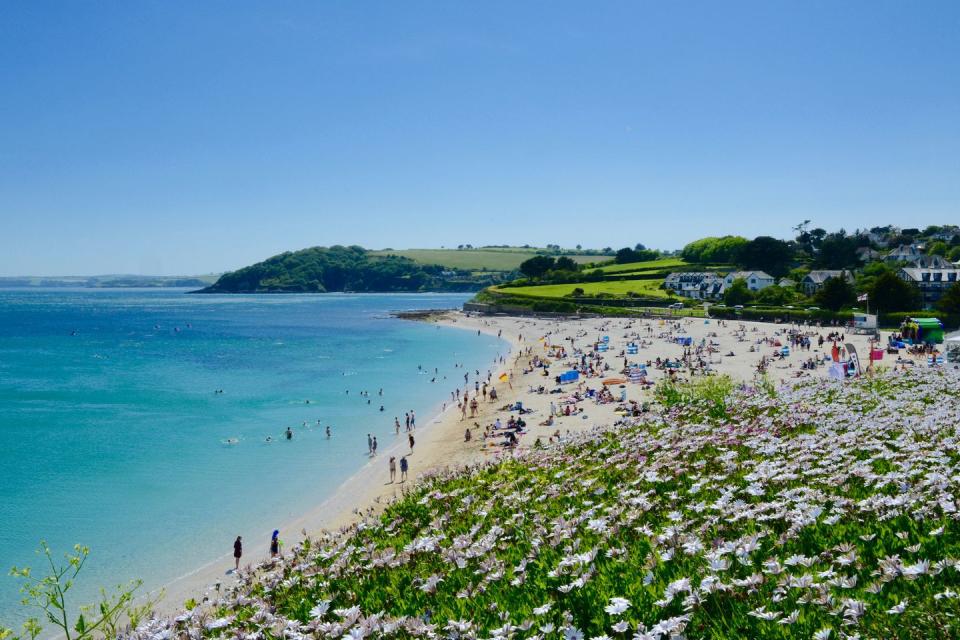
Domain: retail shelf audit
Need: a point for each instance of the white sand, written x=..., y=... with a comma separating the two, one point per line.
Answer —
x=440, y=443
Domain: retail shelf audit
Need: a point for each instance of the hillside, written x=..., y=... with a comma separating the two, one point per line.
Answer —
x=735, y=513
x=338, y=268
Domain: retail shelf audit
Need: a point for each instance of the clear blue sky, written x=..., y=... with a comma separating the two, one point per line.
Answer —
x=189, y=137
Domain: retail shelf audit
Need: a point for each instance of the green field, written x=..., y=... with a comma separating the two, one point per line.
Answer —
x=671, y=264
x=620, y=288
x=492, y=259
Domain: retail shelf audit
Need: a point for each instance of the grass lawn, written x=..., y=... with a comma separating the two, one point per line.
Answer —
x=651, y=265
x=647, y=287
x=492, y=259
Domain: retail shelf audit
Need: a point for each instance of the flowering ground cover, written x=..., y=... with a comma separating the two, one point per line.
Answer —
x=823, y=511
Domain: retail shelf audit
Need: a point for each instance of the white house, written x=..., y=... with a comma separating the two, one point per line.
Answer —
x=756, y=280
x=813, y=281
x=698, y=285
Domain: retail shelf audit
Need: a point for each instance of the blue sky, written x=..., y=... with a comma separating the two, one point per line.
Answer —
x=193, y=137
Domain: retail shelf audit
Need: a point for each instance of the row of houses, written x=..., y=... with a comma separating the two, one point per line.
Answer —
x=709, y=285
x=933, y=282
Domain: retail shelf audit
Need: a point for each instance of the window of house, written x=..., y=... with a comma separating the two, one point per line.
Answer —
x=925, y=277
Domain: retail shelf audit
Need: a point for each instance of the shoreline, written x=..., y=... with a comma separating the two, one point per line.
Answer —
x=364, y=489
x=440, y=441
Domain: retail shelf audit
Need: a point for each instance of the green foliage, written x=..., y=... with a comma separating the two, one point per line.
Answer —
x=336, y=268
x=889, y=292
x=737, y=293
x=48, y=595
x=938, y=248
x=714, y=250
x=775, y=296
x=837, y=251
x=950, y=302
x=536, y=266
x=869, y=274
x=767, y=254
x=566, y=263
x=628, y=255
x=836, y=293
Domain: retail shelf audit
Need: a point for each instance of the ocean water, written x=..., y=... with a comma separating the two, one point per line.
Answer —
x=112, y=435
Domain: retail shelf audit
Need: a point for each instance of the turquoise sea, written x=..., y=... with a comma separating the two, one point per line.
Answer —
x=112, y=433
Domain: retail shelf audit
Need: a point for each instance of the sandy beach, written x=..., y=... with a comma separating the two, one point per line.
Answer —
x=727, y=347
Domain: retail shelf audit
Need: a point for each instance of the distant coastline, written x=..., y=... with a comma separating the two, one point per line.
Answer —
x=107, y=282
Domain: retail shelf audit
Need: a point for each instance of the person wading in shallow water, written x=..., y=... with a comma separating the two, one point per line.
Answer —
x=237, y=552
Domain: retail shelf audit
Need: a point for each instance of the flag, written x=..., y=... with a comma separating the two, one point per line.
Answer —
x=862, y=297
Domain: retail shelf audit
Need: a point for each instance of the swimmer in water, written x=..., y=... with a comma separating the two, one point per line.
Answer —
x=289, y=433
x=328, y=432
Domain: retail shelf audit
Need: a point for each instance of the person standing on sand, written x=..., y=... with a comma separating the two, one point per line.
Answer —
x=393, y=468
x=404, y=465
x=369, y=444
x=374, y=445
x=237, y=552
x=413, y=420
x=275, y=544
x=410, y=438
x=396, y=424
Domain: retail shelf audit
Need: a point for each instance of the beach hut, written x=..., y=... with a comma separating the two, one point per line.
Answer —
x=569, y=376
